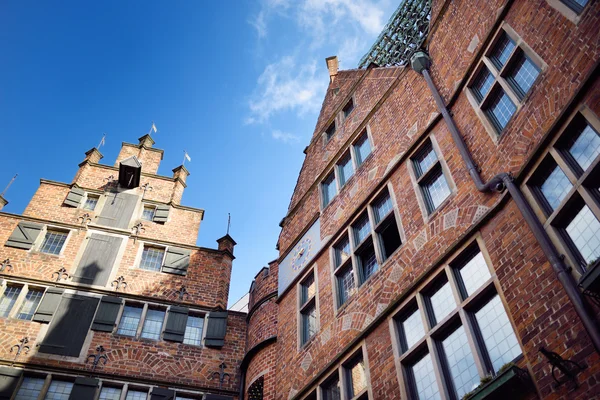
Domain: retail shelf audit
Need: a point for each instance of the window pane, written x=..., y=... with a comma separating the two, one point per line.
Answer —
x=425, y=160
x=437, y=190
x=524, y=73
x=153, y=324
x=345, y=284
x=32, y=300
x=329, y=189
x=497, y=333
x=330, y=131
x=136, y=395
x=474, y=274
x=461, y=362
x=390, y=237
x=59, y=390
x=148, y=213
x=90, y=203
x=357, y=377
x=363, y=148
x=501, y=108
x=342, y=251
x=483, y=83
x=555, y=187
x=309, y=322
x=308, y=289
x=586, y=147
x=331, y=390
x=412, y=328
x=345, y=169
x=361, y=228
x=442, y=302
x=8, y=300
x=109, y=393
x=348, y=108
x=129, y=321
x=152, y=258
x=425, y=383
x=193, y=330
x=502, y=50
x=53, y=242
x=30, y=388
x=382, y=207
x=368, y=263
x=584, y=231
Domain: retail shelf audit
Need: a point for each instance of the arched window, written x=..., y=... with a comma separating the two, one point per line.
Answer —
x=255, y=392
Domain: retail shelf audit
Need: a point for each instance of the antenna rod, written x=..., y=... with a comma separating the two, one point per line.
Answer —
x=228, y=222
x=9, y=183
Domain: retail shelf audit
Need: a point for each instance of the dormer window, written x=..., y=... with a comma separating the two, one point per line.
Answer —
x=330, y=131
x=348, y=108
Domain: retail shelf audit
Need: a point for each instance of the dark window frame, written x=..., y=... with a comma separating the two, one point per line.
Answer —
x=425, y=178
x=307, y=303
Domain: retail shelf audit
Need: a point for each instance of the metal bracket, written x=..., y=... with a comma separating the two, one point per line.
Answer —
x=139, y=227
x=6, y=265
x=97, y=357
x=182, y=292
x=85, y=219
x=221, y=375
x=146, y=186
x=61, y=274
x=569, y=368
x=21, y=347
x=119, y=282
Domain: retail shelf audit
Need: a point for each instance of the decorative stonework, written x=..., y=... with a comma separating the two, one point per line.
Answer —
x=413, y=129
x=380, y=308
x=306, y=361
x=347, y=322
x=450, y=219
x=420, y=240
x=353, y=190
x=392, y=162
x=293, y=392
x=338, y=214
x=325, y=336
x=396, y=274
x=368, y=321
x=480, y=212
x=473, y=44
x=373, y=173
x=432, y=116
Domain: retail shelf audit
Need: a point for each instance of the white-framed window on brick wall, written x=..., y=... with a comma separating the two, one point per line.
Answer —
x=365, y=245
x=503, y=79
x=19, y=300
x=308, y=319
x=565, y=190
x=53, y=240
x=156, y=257
x=453, y=331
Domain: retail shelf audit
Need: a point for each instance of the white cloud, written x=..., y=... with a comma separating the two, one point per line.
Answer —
x=285, y=137
x=259, y=24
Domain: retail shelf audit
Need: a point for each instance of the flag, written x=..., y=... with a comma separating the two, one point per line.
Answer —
x=102, y=141
x=187, y=157
x=154, y=128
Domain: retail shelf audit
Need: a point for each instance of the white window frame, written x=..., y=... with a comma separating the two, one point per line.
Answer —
x=37, y=246
x=25, y=287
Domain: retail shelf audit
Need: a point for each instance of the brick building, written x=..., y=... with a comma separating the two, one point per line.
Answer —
x=105, y=295
x=445, y=222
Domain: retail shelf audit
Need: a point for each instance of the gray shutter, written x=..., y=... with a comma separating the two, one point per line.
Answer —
x=98, y=259
x=48, y=305
x=24, y=235
x=216, y=329
x=106, y=316
x=162, y=394
x=217, y=397
x=118, y=210
x=70, y=326
x=9, y=379
x=74, y=197
x=177, y=261
x=176, y=322
x=84, y=389
x=162, y=213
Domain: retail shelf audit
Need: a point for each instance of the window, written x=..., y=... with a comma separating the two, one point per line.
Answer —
x=429, y=174
x=348, y=108
x=152, y=258
x=356, y=378
x=255, y=391
x=330, y=131
x=110, y=393
x=576, y=5
x=53, y=241
x=375, y=237
x=136, y=395
x=130, y=320
x=348, y=382
x=153, y=324
x=30, y=304
x=489, y=339
x=148, y=213
x=565, y=187
x=362, y=148
x=9, y=298
x=328, y=189
x=331, y=390
x=59, y=390
x=505, y=75
x=193, y=330
x=345, y=169
x=91, y=202
x=30, y=388
x=308, y=308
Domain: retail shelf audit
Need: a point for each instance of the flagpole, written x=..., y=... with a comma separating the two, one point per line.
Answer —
x=9, y=183
x=150, y=131
x=101, y=141
x=184, y=154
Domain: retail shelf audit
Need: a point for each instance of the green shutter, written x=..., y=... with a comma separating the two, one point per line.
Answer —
x=74, y=197
x=162, y=394
x=48, y=305
x=98, y=260
x=9, y=379
x=24, y=235
x=216, y=329
x=84, y=389
x=162, y=213
x=176, y=322
x=118, y=210
x=177, y=261
x=106, y=316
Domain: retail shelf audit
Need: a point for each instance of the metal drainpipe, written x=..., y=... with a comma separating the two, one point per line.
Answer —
x=420, y=62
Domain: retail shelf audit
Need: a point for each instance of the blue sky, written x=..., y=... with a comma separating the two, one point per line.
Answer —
x=237, y=84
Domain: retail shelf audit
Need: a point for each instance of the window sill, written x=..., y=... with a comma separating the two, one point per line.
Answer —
x=307, y=344
x=428, y=218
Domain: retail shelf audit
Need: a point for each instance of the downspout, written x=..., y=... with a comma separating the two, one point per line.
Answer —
x=421, y=62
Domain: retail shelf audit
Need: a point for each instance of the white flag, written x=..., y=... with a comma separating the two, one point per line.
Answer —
x=187, y=157
x=102, y=141
x=154, y=128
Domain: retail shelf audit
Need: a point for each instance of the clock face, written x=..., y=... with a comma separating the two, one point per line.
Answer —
x=301, y=254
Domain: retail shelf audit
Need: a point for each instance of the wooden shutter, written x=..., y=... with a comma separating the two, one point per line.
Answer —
x=216, y=329
x=162, y=394
x=9, y=379
x=24, y=235
x=48, y=305
x=98, y=259
x=162, y=213
x=176, y=323
x=84, y=389
x=106, y=316
x=118, y=210
x=74, y=197
x=70, y=326
x=177, y=261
